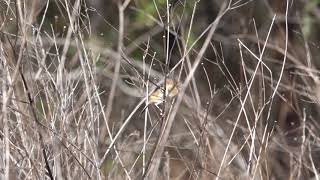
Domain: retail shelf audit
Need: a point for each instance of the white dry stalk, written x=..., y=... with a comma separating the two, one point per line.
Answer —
x=121, y=8
x=7, y=93
x=186, y=55
x=146, y=116
x=5, y=119
x=164, y=133
x=71, y=29
x=244, y=100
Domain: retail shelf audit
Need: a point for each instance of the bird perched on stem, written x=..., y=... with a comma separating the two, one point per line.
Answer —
x=171, y=89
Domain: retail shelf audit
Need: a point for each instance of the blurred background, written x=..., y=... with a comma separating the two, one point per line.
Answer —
x=237, y=84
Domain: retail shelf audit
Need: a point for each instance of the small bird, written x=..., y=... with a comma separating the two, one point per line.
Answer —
x=156, y=98
x=172, y=89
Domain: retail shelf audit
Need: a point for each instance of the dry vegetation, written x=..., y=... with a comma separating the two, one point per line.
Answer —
x=159, y=89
